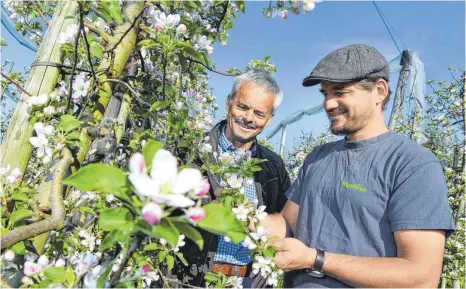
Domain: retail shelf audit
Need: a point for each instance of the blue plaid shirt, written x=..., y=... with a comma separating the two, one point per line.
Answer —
x=229, y=252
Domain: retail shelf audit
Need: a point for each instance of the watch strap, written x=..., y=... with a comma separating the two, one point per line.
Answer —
x=319, y=262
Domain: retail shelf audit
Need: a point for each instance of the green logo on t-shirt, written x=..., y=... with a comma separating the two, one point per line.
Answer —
x=353, y=186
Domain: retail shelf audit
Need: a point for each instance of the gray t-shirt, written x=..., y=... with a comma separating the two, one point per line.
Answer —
x=352, y=196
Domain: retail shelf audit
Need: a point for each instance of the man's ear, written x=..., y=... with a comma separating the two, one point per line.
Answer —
x=382, y=90
x=228, y=102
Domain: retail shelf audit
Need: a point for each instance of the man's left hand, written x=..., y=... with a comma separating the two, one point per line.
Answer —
x=292, y=254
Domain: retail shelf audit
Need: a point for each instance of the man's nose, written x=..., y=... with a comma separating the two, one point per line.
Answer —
x=330, y=103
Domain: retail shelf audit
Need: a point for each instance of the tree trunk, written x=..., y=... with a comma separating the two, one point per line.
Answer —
x=16, y=148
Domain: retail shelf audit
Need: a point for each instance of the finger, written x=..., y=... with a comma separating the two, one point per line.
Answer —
x=278, y=243
x=262, y=283
x=256, y=281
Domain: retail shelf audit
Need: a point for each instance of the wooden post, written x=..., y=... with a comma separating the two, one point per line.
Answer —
x=400, y=90
x=282, y=142
x=16, y=148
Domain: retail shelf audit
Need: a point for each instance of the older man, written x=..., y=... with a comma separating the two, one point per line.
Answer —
x=369, y=210
x=250, y=107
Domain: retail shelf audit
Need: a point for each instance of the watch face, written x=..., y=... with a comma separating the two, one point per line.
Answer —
x=316, y=273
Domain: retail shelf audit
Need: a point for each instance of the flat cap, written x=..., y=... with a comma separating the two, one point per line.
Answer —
x=350, y=63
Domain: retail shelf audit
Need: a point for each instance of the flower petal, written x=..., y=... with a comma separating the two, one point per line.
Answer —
x=187, y=180
x=137, y=164
x=164, y=167
x=144, y=185
x=179, y=201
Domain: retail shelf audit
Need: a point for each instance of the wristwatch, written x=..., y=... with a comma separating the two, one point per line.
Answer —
x=316, y=270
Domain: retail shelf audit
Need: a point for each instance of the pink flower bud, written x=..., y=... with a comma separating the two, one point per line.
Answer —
x=284, y=14
x=14, y=16
x=158, y=27
x=204, y=188
x=181, y=29
x=145, y=268
x=31, y=268
x=213, y=30
x=137, y=164
x=195, y=214
x=152, y=213
x=14, y=177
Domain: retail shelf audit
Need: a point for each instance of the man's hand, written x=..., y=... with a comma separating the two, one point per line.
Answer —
x=292, y=254
x=259, y=281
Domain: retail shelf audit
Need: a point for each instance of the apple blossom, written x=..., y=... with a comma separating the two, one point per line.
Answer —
x=152, y=213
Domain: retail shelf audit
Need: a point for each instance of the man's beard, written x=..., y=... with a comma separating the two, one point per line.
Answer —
x=352, y=125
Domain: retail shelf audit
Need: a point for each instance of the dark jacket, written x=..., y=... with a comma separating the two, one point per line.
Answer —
x=271, y=183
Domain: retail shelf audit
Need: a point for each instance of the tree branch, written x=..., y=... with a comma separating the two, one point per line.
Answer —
x=209, y=68
x=127, y=31
x=56, y=222
x=97, y=31
x=16, y=84
x=135, y=93
x=43, y=16
x=225, y=9
x=134, y=245
x=85, y=40
x=76, y=43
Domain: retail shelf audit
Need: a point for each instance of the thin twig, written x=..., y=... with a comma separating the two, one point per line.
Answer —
x=135, y=93
x=76, y=43
x=164, y=75
x=87, y=43
x=16, y=84
x=134, y=245
x=127, y=31
x=209, y=68
x=225, y=9
x=160, y=7
x=43, y=16
x=97, y=31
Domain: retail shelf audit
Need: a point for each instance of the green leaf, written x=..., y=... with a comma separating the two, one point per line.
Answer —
x=212, y=277
x=191, y=233
x=113, y=9
x=240, y=5
x=100, y=178
x=150, y=149
x=152, y=247
x=19, y=215
x=20, y=196
x=189, y=49
x=170, y=262
x=103, y=277
x=116, y=219
x=270, y=251
x=182, y=259
x=114, y=237
x=68, y=123
x=69, y=275
x=166, y=231
x=95, y=49
x=183, y=62
x=161, y=256
x=19, y=248
x=222, y=221
x=158, y=105
x=148, y=43
x=55, y=274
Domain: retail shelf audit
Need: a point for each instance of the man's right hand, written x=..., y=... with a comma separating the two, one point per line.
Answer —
x=259, y=281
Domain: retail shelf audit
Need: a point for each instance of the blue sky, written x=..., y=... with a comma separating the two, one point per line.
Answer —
x=435, y=31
